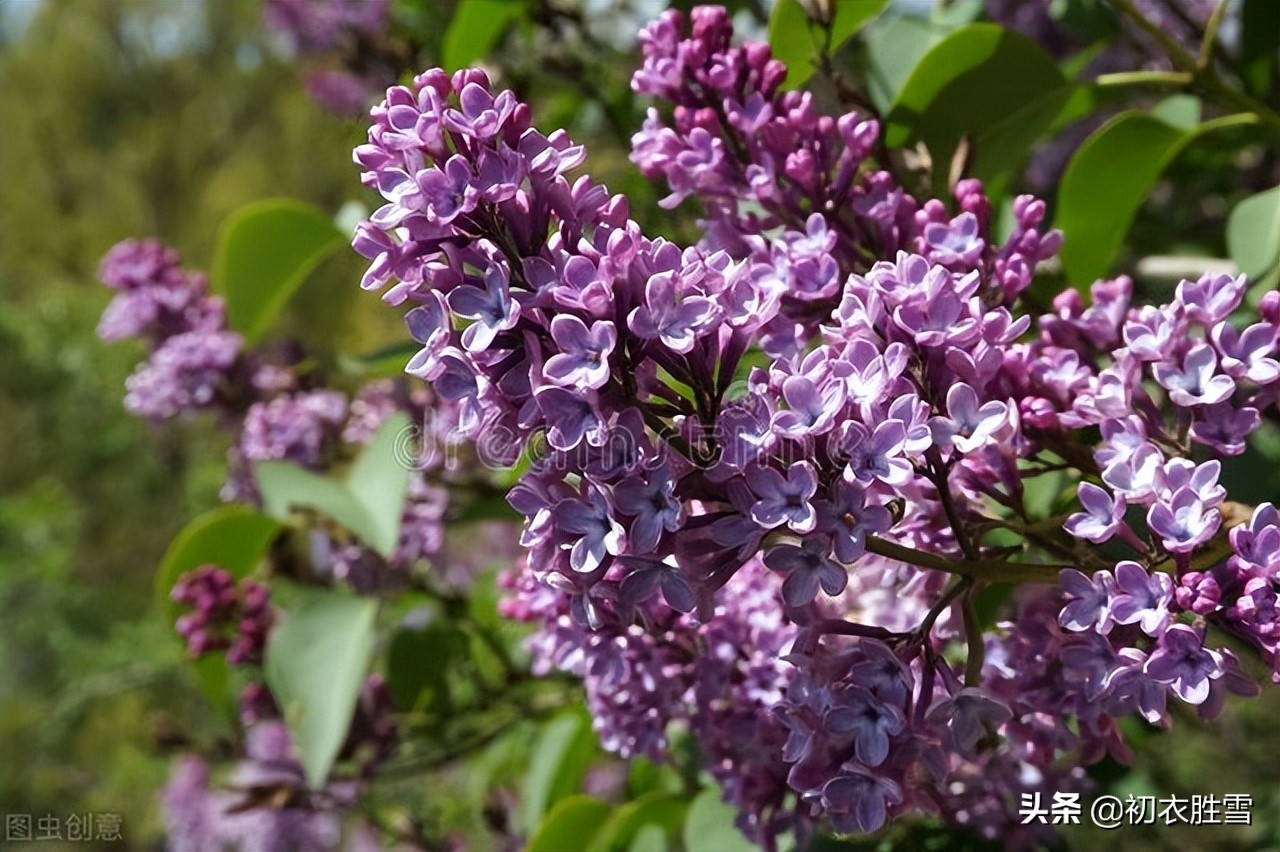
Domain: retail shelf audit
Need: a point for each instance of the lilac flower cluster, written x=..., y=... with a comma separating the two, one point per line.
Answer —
x=264, y=804
x=718, y=681
x=225, y=615
x=341, y=33
x=192, y=351
x=905, y=399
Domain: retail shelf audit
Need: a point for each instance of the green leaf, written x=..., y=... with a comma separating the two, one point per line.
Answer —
x=1106, y=182
x=418, y=664
x=316, y=659
x=369, y=503
x=379, y=480
x=1253, y=233
x=664, y=810
x=1002, y=149
x=1180, y=111
x=650, y=838
x=570, y=824
x=558, y=762
x=796, y=39
x=895, y=44
x=709, y=826
x=231, y=537
x=265, y=251
x=970, y=82
x=475, y=29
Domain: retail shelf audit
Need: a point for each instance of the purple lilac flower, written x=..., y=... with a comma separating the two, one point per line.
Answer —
x=806, y=568
x=850, y=520
x=1183, y=662
x=651, y=502
x=1141, y=598
x=1195, y=383
x=1102, y=515
x=595, y=532
x=183, y=375
x=583, y=360
x=1090, y=604
x=492, y=308
x=968, y=425
x=784, y=498
x=1183, y=521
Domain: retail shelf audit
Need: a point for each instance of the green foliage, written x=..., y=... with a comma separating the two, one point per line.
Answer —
x=1106, y=182
x=800, y=41
x=709, y=826
x=316, y=660
x=265, y=251
x=571, y=823
x=977, y=80
x=368, y=504
x=475, y=29
x=558, y=761
x=1253, y=236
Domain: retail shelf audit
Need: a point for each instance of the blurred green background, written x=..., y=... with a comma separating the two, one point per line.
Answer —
x=127, y=118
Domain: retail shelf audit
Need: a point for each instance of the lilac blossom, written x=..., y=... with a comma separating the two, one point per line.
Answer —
x=1196, y=382
x=584, y=352
x=807, y=568
x=784, y=498
x=1102, y=516
x=1183, y=662
x=1141, y=598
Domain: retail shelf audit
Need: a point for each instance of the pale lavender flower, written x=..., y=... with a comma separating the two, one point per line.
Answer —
x=1211, y=298
x=1102, y=516
x=1197, y=381
x=583, y=360
x=968, y=426
x=876, y=455
x=1245, y=354
x=1142, y=598
x=492, y=308
x=1183, y=521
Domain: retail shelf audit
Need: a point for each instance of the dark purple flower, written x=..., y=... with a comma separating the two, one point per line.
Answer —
x=784, y=499
x=570, y=417
x=806, y=567
x=868, y=721
x=1185, y=664
x=849, y=520
x=649, y=498
x=858, y=801
x=967, y=715
x=591, y=527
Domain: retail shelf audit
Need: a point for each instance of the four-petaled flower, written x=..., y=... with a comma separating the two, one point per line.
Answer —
x=784, y=499
x=583, y=360
x=807, y=567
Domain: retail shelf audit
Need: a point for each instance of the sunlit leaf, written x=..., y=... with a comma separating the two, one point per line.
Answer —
x=316, y=659
x=265, y=251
